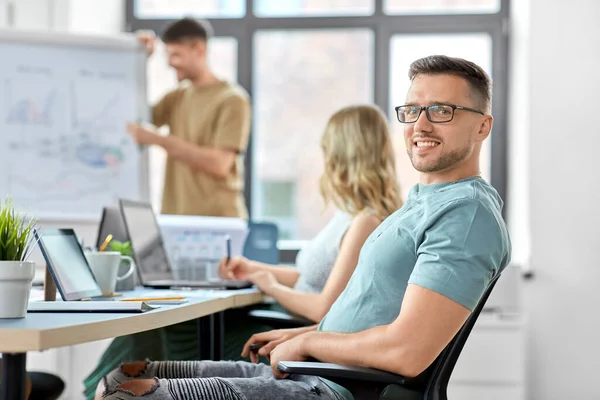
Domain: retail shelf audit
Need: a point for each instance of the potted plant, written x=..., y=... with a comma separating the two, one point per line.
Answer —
x=16, y=272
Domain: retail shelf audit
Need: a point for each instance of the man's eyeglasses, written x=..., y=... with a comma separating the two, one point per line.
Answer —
x=436, y=113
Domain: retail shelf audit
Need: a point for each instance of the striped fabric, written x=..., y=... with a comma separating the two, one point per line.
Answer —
x=173, y=343
x=202, y=389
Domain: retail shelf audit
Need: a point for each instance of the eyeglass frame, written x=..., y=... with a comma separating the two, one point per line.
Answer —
x=426, y=108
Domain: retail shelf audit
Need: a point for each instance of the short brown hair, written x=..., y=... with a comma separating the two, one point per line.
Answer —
x=187, y=28
x=481, y=84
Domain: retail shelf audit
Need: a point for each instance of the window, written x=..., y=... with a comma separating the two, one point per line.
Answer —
x=301, y=60
x=163, y=9
x=297, y=8
x=300, y=79
x=222, y=57
x=277, y=204
x=406, y=48
x=441, y=6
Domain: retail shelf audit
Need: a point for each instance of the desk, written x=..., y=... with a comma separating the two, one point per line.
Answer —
x=42, y=331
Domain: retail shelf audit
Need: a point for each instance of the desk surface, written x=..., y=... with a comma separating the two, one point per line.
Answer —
x=41, y=331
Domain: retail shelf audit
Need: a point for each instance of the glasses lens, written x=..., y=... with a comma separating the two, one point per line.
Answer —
x=440, y=113
x=408, y=113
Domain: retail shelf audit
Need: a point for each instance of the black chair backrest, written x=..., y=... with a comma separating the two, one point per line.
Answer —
x=442, y=368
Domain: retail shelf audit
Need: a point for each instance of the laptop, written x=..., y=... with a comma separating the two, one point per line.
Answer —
x=73, y=277
x=153, y=265
x=111, y=223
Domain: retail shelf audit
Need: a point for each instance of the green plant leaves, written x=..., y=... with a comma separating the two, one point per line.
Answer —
x=15, y=232
x=122, y=247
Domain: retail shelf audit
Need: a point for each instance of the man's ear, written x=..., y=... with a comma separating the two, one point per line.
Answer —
x=200, y=47
x=485, y=128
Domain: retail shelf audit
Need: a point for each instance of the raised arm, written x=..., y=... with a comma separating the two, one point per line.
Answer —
x=231, y=137
x=314, y=306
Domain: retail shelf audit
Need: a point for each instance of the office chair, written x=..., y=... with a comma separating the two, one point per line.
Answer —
x=368, y=383
x=42, y=385
x=45, y=386
x=261, y=245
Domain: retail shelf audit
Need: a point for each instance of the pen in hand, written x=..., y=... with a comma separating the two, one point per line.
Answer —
x=228, y=248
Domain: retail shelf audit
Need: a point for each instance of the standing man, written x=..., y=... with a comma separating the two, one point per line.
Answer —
x=209, y=121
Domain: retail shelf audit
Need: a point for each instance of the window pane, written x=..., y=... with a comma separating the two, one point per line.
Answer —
x=299, y=8
x=404, y=49
x=170, y=9
x=300, y=79
x=441, y=6
x=222, y=58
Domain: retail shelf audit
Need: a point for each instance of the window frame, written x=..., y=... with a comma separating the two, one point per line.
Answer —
x=384, y=27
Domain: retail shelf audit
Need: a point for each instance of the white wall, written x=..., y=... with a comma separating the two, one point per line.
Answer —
x=563, y=84
x=91, y=16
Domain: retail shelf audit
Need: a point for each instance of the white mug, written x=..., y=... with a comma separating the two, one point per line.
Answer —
x=105, y=267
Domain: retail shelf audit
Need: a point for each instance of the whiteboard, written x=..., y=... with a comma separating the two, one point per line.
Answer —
x=66, y=99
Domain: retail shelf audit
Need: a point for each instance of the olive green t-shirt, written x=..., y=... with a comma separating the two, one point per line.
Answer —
x=216, y=116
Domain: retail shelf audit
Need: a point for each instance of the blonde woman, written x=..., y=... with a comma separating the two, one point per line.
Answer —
x=360, y=181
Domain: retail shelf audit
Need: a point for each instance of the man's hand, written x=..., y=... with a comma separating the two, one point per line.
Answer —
x=147, y=39
x=291, y=350
x=269, y=340
x=143, y=136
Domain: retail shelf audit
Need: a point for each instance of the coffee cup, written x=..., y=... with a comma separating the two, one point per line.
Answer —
x=105, y=267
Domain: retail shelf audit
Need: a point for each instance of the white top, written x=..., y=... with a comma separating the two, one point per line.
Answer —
x=316, y=259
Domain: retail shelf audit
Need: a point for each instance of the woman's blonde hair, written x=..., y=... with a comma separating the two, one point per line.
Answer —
x=360, y=170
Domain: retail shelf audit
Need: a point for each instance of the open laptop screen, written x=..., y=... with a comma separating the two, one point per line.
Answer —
x=146, y=241
x=111, y=223
x=67, y=264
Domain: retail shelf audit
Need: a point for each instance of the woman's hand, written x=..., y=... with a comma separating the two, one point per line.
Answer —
x=237, y=268
x=264, y=280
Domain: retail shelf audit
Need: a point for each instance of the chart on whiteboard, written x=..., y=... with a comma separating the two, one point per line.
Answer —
x=68, y=151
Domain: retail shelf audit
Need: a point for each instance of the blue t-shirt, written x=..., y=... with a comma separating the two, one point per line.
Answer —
x=448, y=237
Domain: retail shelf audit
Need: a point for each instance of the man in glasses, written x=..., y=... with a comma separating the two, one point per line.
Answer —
x=419, y=275
x=444, y=144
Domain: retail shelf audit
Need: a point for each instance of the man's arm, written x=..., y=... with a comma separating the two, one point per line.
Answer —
x=214, y=161
x=230, y=138
x=269, y=340
x=459, y=254
x=426, y=324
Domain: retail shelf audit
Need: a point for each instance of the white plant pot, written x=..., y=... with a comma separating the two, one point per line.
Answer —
x=15, y=287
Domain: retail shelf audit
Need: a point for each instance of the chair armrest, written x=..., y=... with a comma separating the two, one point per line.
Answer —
x=328, y=371
x=279, y=319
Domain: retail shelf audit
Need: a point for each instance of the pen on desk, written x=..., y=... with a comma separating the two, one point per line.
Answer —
x=154, y=298
x=105, y=243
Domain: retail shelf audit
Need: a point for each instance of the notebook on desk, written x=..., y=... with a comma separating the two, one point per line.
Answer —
x=89, y=307
x=74, y=279
x=153, y=265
